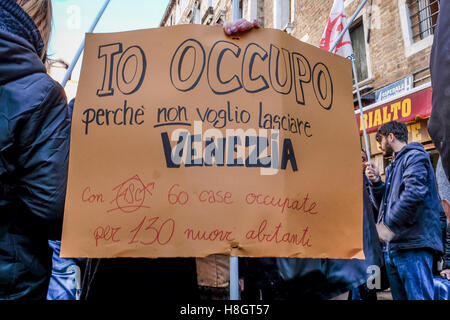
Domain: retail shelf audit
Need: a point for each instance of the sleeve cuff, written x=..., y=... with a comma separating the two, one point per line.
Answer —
x=376, y=184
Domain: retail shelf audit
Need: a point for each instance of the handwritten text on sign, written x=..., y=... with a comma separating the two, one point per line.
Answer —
x=188, y=143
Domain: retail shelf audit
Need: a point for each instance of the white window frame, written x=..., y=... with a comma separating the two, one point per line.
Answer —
x=362, y=15
x=292, y=18
x=281, y=14
x=252, y=10
x=411, y=47
x=241, y=9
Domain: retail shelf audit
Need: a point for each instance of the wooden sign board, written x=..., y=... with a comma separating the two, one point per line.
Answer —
x=186, y=142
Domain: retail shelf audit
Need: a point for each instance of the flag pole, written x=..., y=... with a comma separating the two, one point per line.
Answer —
x=81, y=47
x=366, y=139
x=234, y=262
x=355, y=76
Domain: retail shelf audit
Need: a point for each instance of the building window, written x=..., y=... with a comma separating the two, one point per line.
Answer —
x=282, y=13
x=237, y=9
x=220, y=18
x=240, y=12
x=194, y=15
x=423, y=17
x=252, y=9
x=359, y=50
x=190, y=17
x=197, y=15
x=417, y=29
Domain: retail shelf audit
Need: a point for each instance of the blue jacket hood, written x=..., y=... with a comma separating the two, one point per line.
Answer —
x=21, y=44
x=411, y=146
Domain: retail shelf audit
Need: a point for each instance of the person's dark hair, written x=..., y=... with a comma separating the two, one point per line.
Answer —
x=398, y=129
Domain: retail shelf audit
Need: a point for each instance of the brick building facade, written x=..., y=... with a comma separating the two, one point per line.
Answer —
x=391, y=40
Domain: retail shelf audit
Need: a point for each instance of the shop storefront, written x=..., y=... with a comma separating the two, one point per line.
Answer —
x=412, y=108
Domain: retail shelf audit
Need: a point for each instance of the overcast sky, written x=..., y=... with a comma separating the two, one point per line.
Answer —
x=72, y=18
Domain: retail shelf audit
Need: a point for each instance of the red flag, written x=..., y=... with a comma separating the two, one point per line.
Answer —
x=336, y=23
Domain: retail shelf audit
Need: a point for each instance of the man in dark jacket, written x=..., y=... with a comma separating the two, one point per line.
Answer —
x=411, y=219
x=34, y=149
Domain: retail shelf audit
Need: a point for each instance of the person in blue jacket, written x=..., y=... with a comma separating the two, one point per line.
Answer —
x=411, y=220
x=34, y=150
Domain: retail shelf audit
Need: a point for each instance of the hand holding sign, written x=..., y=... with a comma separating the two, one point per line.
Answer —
x=241, y=25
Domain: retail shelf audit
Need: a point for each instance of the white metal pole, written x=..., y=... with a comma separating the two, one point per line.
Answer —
x=81, y=47
x=234, y=262
x=366, y=140
x=234, y=279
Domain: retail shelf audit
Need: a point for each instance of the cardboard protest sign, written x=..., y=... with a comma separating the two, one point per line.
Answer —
x=186, y=142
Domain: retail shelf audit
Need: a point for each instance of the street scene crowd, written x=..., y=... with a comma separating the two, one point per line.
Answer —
x=406, y=213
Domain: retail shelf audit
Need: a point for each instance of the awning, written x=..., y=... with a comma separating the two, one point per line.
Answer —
x=410, y=106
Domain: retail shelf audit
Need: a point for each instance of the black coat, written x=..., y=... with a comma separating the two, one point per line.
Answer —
x=140, y=279
x=34, y=149
x=439, y=123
